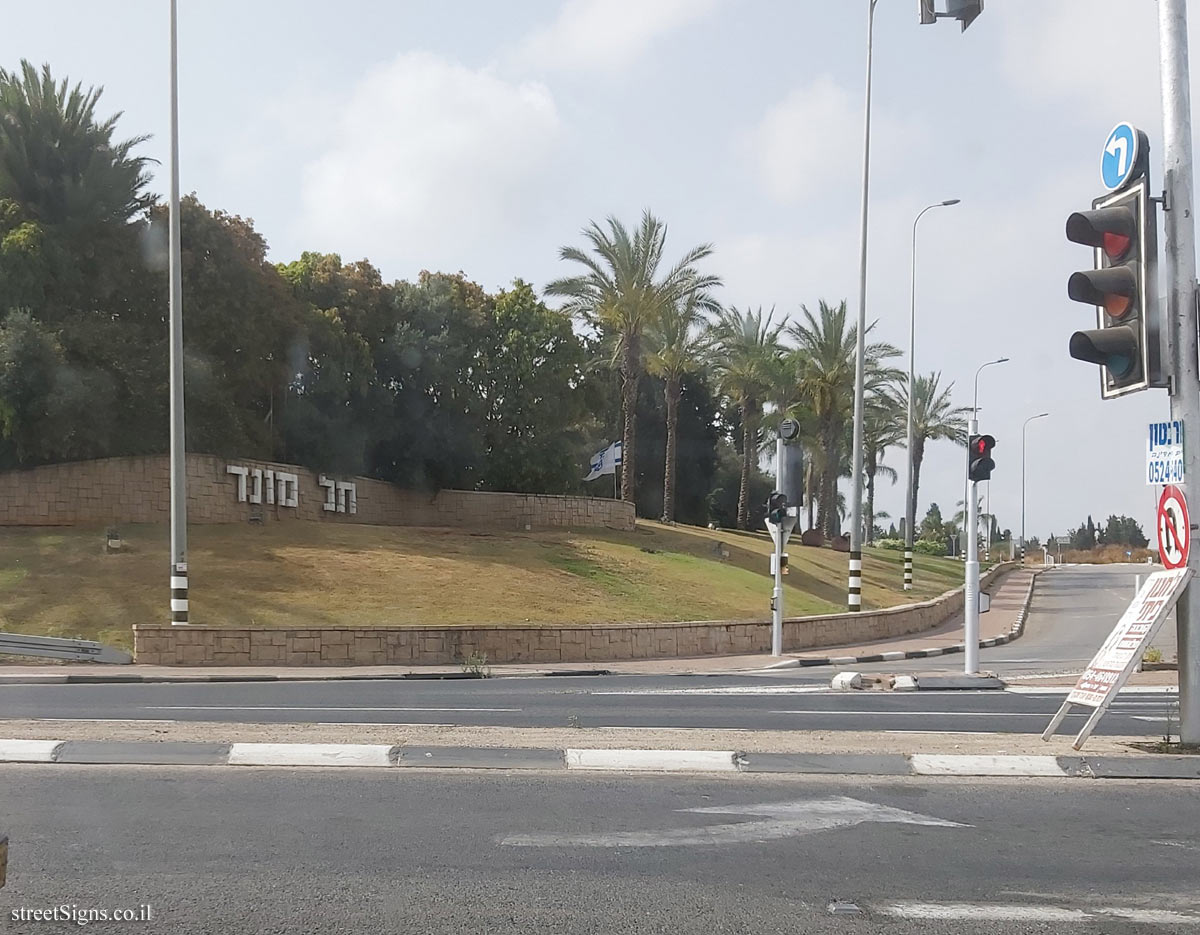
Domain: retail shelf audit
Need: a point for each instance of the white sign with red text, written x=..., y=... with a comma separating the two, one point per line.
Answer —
x=1123, y=649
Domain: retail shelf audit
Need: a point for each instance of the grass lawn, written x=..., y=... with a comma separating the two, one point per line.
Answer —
x=60, y=582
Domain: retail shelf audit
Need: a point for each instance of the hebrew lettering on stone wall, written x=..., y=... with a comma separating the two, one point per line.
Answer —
x=340, y=496
x=273, y=487
x=241, y=473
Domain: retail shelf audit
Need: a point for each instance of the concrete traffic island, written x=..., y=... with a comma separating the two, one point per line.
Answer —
x=619, y=760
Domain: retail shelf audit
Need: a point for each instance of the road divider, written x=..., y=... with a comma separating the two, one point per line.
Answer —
x=621, y=761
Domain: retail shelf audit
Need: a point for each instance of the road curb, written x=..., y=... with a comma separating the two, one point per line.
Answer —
x=377, y=756
x=106, y=678
x=1015, y=632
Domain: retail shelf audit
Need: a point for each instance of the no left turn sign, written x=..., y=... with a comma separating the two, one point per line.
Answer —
x=1174, y=528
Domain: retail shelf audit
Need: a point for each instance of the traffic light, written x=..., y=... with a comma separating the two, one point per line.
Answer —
x=979, y=457
x=965, y=11
x=928, y=15
x=1122, y=232
x=776, y=508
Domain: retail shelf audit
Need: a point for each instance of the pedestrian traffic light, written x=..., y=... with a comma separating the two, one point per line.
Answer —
x=776, y=508
x=979, y=457
x=1121, y=230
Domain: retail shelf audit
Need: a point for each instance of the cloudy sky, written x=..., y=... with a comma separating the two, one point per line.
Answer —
x=480, y=136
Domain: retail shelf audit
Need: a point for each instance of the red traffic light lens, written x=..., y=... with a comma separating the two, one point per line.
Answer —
x=1117, y=306
x=1115, y=245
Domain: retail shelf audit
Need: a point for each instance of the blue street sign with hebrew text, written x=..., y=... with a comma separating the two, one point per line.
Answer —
x=1164, y=453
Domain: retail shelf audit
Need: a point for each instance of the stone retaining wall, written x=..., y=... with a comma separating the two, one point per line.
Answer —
x=136, y=490
x=342, y=646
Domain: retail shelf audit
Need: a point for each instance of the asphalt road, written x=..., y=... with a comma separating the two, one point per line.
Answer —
x=748, y=703
x=275, y=851
x=1073, y=610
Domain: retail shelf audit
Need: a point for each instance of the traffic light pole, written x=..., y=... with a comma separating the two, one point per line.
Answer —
x=971, y=584
x=1179, y=253
x=777, y=535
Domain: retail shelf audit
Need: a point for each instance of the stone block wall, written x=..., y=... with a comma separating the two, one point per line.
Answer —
x=136, y=490
x=346, y=646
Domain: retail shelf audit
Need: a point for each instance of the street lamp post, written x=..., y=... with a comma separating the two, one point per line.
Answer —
x=910, y=505
x=179, y=569
x=1024, y=426
x=971, y=584
x=854, y=596
x=965, y=14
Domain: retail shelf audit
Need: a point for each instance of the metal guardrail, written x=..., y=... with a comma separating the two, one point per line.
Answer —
x=49, y=647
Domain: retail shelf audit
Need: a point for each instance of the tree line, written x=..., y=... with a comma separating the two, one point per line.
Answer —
x=430, y=384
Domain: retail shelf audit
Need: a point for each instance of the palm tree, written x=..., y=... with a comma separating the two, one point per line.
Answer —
x=883, y=427
x=678, y=344
x=934, y=418
x=621, y=293
x=823, y=371
x=57, y=161
x=746, y=361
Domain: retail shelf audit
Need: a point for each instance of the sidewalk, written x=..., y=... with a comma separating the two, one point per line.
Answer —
x=997, y=626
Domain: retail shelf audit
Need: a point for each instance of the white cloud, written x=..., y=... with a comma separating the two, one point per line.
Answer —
x=428, y=159
x=607, y=34
x=810, y=142
x=1102, y=55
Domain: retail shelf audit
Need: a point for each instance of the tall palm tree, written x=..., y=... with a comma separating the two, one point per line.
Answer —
x=934, y=418
x=823, y=370
x=746, y=361
x=621, y=293
x=678, y=343
x=883, y=427
x=58, y=161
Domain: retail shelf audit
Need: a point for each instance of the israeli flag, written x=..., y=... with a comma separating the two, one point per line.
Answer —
x=605, y=461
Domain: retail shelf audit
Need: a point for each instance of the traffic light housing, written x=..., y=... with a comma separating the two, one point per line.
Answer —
x=776, y=508
x=979, y=457
x=1121, y=230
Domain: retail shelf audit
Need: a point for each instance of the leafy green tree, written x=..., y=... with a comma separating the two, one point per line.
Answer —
x=622, y=291
x=746, y=362
x=531, y=361
x=696, y=437
x=678, y=344
x=1124, y=530
x=932, y=526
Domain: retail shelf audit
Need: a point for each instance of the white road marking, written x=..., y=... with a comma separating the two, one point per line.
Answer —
x=1026, y=913
x=218, y=707
x=28, y=751
x=928, y=764
x=929, y=713
x=721, y=761
x=309, y=754
x=778, y=820
x=1187, y=846
x=728, y=690
x=1066, y=689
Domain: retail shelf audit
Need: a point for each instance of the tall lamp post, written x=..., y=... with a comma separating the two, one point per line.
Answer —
x=971, y=584
x=965, y=13
x=179, y=569
x=1024, y=426
x=910, y=510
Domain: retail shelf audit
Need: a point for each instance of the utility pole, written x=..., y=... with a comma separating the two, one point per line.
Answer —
x=179, y=568
x=1180, y=255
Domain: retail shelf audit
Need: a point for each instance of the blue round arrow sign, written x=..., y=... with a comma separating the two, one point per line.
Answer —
x=1120, y=156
